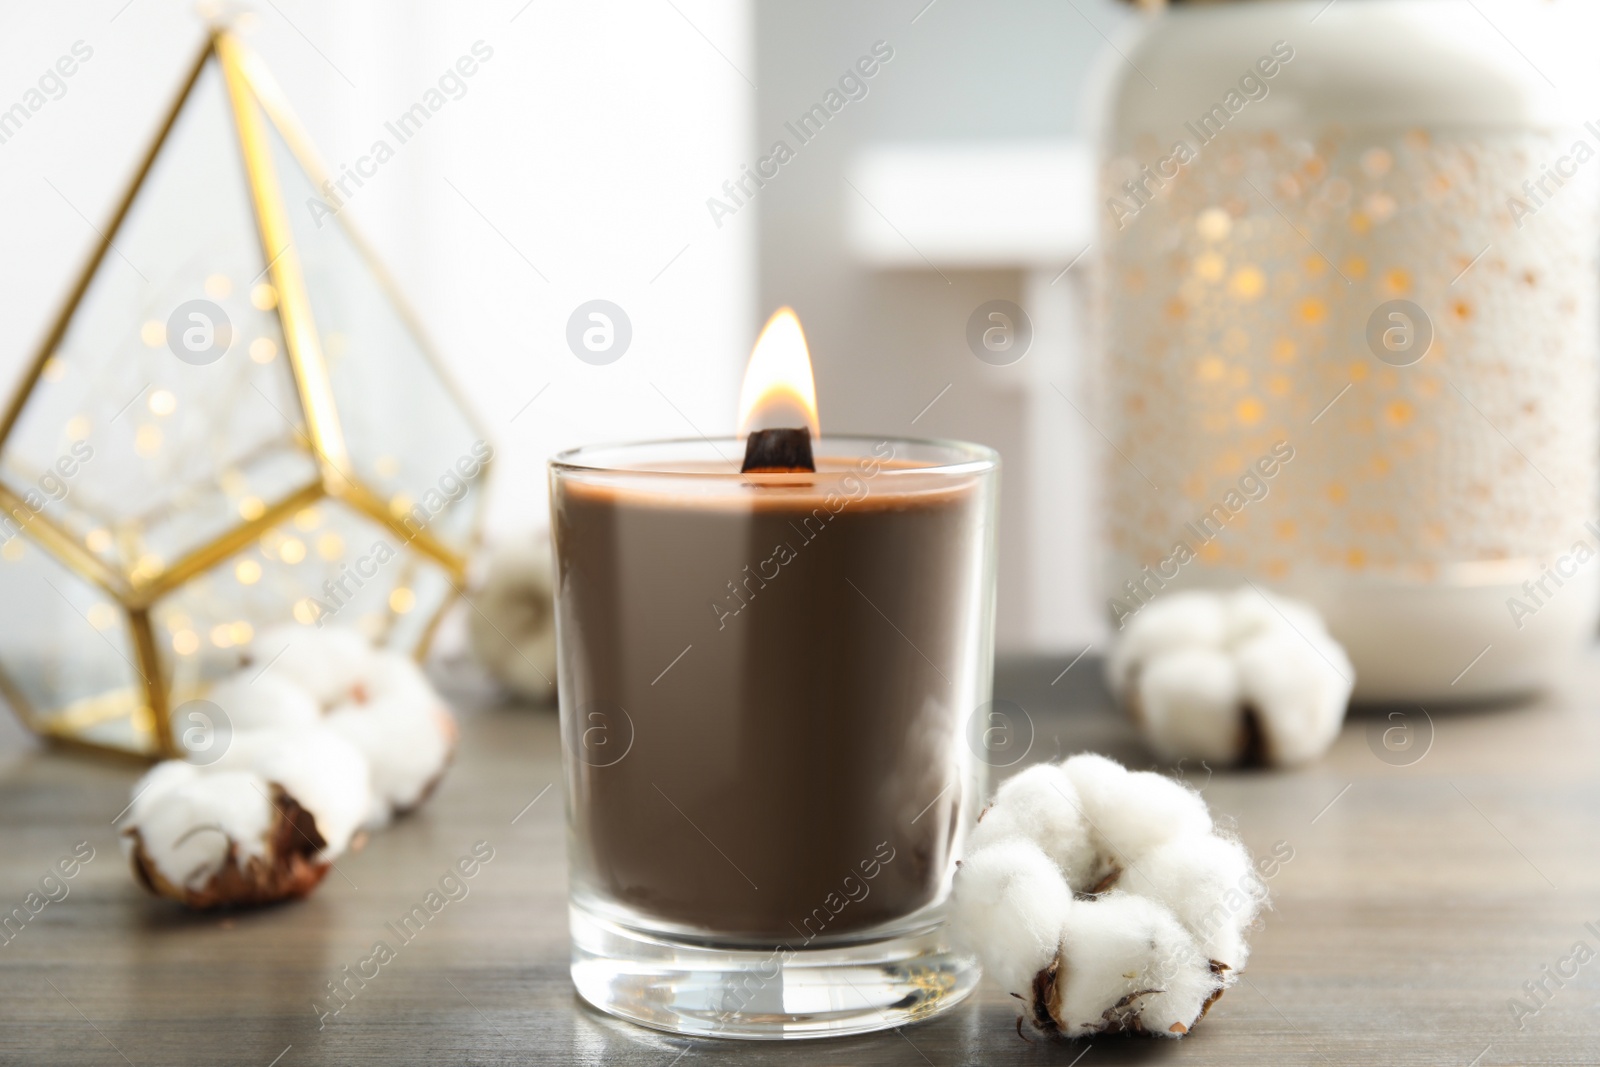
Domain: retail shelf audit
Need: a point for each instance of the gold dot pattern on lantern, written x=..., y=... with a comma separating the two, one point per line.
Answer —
x=1214, y=223
x=147, y=440
x=292, y=550
x=12, y=550
x=153, y=333
x=263, y=350
x=185, y=642
x=251, y=508
x=402, y=600
x=330, y=546
x=55, y=369
x=305, y=611
x=307, y=519
x=1231, y=333
x=162, y=402
x=98, y=539
x=219, y=286
x=101, y=616
x=1247, y=283
x=247, y=571
x=77, y=428
x=263, y=297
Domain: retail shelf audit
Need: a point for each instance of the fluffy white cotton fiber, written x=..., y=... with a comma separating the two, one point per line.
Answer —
x=1232, y=677
x=1105, y=899
x=318, y=736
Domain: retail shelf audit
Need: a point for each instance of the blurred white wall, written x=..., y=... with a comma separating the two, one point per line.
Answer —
x=574, y=167
x=982, y=101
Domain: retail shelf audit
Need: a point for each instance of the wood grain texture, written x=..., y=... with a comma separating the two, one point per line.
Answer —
x=1419, y=900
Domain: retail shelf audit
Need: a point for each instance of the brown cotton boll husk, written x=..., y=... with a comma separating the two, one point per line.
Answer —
x=288, y=870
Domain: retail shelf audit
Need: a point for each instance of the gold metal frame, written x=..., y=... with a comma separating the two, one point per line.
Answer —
x=257, y=105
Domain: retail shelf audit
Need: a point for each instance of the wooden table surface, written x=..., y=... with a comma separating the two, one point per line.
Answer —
x=1422, y=894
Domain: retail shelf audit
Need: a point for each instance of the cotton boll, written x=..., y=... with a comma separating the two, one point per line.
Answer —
x=326, y=662
x=1009, y=903
x=1299, y=687
x=1188, y=706
x=1170, y=622
x=189, y=830
x=1252, y=612
x=262, y=701
x=1210, y=887
x=1041, y=805
x=322, y=771
x=1130, y=812
x=407, y=745
x=163, y=777
x=388, y=674
x=1128, y=964
x=406, y=732
x=513, y=630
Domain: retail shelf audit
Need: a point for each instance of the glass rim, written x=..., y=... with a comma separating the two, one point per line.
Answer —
x=972, y=458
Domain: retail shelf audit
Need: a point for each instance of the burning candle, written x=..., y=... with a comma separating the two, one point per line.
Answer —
x=768, y=668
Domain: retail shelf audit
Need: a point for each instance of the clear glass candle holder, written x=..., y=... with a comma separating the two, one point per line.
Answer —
x=768, y=685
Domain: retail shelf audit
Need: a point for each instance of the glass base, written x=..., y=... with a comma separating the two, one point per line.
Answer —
x=768, y=993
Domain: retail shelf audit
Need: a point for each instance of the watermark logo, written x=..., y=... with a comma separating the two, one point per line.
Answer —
x=1401, y=738
x=1399, y=333
x=999, y=333
x=604, y=733
x=199, y=332
x=204, y=730
x=599, y=332
x=1000, y=733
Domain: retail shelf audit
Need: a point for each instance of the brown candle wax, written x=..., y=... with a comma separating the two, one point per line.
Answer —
x=764, y=689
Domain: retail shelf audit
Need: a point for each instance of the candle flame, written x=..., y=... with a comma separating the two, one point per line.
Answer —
x=778, y=391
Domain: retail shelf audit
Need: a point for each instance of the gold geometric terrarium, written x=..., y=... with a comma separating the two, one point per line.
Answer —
x=234, y=422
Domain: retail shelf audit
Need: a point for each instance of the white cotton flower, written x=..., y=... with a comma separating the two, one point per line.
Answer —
x=512, y=629
x=319, y=737
x=403, y=728
x=1009, y=903
x=191, y=825
x=1042, y=805
x=1127, y=964
x=260, y=824
x=1188, y=703
x=1298, y=687
x=326, y=662
x=1150, y=944
x=254, y=700
x=1130, y=812
x=1174, y=621
x=1260, y=680
x=322, y=771
x=1209, y=885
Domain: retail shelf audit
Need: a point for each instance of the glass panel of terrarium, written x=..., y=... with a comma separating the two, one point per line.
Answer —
x=67, y=649
x=325, y=566
x=171, y=375
x=408, y=433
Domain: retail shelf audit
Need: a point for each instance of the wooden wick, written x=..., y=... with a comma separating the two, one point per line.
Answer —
x=778, y=452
